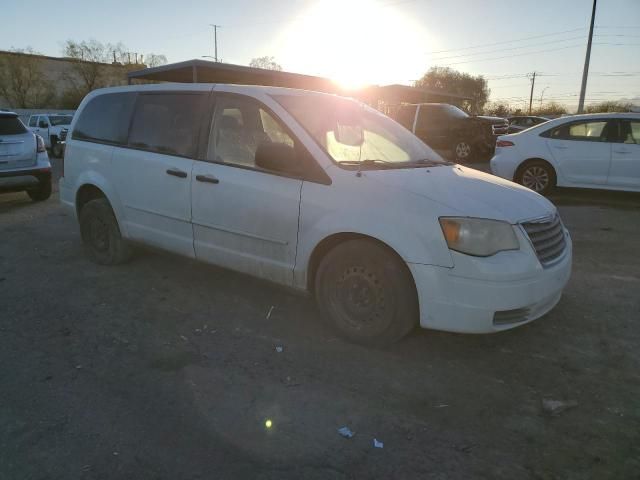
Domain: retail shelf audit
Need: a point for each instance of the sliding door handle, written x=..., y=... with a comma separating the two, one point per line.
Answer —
x=207, y=179
x=177, y=173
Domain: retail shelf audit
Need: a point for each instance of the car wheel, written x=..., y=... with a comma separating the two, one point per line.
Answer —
x=366, y=293
x=462, y=151
x=56, y=150
x=42, y=193
x=538, y=176
x=100, y=233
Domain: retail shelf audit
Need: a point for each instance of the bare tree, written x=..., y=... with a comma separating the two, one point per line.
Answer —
x=267, y=63
x=154, y=60
x=22, y=80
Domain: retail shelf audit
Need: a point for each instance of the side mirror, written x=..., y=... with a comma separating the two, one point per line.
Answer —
x=277, y=157
x=43, y=124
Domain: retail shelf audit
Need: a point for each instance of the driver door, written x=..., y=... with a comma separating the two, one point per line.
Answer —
x=245, y=218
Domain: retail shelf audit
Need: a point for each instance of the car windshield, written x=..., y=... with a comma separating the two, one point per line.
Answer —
x=355, y=134
x=455, y=112
x=60, y=119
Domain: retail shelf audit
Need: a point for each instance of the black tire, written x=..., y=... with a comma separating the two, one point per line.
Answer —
x=56, y=150
x=366, y=293
x=100, y=233
x=463, y=151
x=537, y=175
x=42, y=192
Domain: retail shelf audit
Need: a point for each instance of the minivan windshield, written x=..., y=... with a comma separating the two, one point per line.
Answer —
x=60, y=119
x=376, y=141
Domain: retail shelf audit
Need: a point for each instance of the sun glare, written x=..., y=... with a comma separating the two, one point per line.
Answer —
x=354, y=42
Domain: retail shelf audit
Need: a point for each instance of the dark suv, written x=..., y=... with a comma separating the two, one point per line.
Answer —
x=446, y=127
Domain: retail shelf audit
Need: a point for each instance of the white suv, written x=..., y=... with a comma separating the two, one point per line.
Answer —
x=315, y=192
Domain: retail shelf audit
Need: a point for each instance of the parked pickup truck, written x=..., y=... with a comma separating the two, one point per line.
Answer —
x=52, y=127
x=446, y=127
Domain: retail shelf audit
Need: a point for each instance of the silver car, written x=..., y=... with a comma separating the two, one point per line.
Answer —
x=24, y=163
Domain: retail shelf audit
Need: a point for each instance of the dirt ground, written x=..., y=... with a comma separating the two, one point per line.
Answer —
x=167, y=369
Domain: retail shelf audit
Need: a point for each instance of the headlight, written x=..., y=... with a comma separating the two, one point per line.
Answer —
x=478, y=236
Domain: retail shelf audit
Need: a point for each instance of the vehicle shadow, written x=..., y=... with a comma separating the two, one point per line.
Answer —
x=592, y=197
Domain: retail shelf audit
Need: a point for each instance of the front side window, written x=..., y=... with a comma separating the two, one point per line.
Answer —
x=168, y=123
x=240, y=126
x=630, y=132
x=585, y=131
x=105, y=119
x=382, y=142
x=33, y=121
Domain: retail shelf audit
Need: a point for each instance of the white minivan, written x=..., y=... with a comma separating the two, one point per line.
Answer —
x=316, y=192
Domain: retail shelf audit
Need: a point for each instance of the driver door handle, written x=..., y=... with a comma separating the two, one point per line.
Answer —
x=560, y=147
x=207, y=179
x=623, y=152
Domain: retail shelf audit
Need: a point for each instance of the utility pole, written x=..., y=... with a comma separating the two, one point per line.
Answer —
x=533, y=82
x=585, y=72
x=215, y=40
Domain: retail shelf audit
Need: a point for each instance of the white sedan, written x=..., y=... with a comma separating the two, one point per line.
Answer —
x=586, y=151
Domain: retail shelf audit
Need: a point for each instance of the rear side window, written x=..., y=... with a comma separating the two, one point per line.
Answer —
x=11, y=126
x=585, y=131
x=168, y=123
x=105, y=119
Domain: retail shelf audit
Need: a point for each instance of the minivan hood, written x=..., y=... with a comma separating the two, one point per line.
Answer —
x=470, y=192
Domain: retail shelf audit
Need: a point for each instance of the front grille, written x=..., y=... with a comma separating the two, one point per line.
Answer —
x=500, y=129
x=507, y=317
x=547, y=239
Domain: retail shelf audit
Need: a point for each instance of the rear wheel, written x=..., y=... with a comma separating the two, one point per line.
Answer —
x=538, y=176
x=463, y=151
x=42, y=192
x=100, y=233
x=366, y=293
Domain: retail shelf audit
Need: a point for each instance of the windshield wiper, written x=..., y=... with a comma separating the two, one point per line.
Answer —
x=367, y=162
x=426, y=162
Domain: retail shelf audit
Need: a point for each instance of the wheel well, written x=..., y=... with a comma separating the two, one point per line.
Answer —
x=85, y=194
x=530, y=160
x=332, y=241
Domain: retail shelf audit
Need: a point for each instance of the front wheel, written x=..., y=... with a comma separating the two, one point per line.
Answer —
x=538, y=176
x=57, y=150
x=366, y=293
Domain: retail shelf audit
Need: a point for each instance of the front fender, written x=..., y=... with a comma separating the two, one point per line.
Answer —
x=406, y=227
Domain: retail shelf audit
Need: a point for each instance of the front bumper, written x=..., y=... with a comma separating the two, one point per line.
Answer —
x=486, y=295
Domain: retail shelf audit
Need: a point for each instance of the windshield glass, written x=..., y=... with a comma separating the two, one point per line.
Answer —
x=333, y=121
x=60, y=119
x=455, y=111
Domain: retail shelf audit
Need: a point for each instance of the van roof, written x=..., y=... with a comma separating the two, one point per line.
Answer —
x=211, y=86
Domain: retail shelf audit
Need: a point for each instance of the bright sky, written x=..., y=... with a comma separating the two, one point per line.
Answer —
x=365, y=41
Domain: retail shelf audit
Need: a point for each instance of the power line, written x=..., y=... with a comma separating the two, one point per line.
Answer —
x=507, y=49
x=508, y=41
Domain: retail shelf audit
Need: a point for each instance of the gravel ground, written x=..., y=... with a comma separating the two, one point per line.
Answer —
x=168, y=369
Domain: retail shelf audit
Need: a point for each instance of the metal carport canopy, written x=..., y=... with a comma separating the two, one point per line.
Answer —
x=203, y=71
